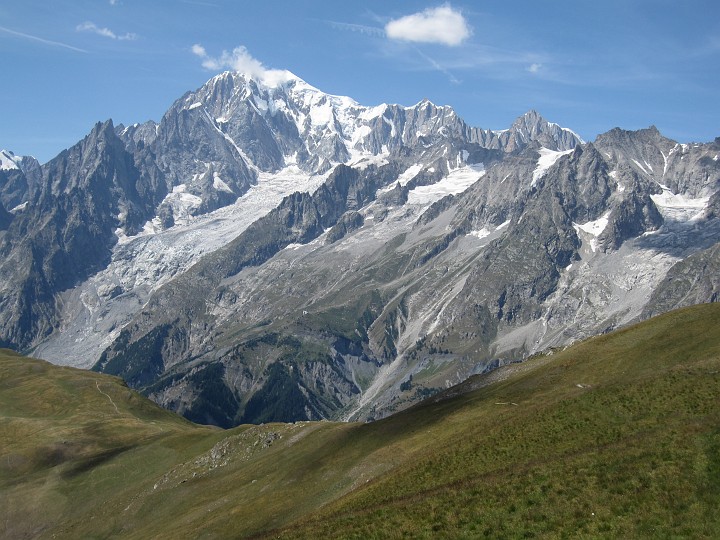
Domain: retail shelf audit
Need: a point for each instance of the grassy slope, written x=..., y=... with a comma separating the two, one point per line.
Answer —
x=67, y=439
x=617, y=436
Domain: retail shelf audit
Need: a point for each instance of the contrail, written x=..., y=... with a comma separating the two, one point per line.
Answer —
x=41, y=40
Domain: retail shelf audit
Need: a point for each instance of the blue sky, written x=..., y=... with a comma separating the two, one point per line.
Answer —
x=587, y=65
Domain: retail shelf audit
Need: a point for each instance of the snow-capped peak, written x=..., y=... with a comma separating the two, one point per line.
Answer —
x=9, y=161
x=567, y=130
x=532, y=125
x=273, y=90
x=273, y=78
x=424, y=102
x=329, y=129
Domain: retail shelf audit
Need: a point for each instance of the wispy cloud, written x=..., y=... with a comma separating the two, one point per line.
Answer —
x=199, y=3
x=239, y=59
x=358, y=28
x=41, y=40
x=88, y=26
x=476, y=60
x=438, y=67
x=443, y=25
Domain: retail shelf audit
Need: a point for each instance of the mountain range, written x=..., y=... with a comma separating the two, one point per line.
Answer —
x=269, y=252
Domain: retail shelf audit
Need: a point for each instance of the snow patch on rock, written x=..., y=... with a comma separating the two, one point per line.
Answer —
x=97, y=309
x=593, y=228
x=9, y=161
x=677, y=207
x=547, y=159
x=455, y=182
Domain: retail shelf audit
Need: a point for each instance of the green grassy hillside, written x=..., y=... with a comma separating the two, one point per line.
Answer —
x=618, y=436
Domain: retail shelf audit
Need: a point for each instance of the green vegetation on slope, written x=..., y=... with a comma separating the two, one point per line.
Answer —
x=618, y=436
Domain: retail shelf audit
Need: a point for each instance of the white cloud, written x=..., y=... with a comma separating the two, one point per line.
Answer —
x=442, y=24
x=88, y=26
x=240, y=60
x=534, y=68
x=199, y=50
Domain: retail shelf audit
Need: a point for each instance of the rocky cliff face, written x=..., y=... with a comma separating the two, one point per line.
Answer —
x=19, y=178
x=76, y=214
x=542, y=248
x=63, y=231
x=270, y=252
x=694, y=280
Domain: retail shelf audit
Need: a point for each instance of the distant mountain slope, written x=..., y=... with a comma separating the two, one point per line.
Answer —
x=613, y=436
x=75, y=215
x=268, y=251
x=422, y=274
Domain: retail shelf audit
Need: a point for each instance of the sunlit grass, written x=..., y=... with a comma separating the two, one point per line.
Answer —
x=618, y=436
